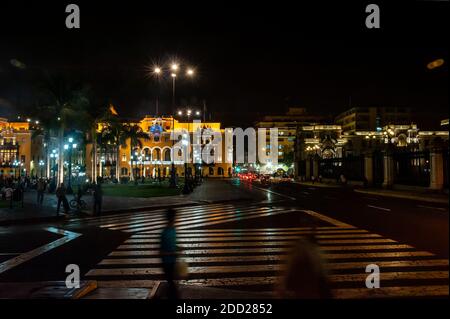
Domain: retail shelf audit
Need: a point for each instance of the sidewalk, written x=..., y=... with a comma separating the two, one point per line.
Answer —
x=425, y=196
x=419, y=195
x=210, y=191
x=31, y=211
x=317, y=184
x=45, y=290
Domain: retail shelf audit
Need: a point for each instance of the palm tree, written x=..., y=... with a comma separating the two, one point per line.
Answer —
x=135, y=134
x=98, y=115
x=65, y=107
x=112, y=137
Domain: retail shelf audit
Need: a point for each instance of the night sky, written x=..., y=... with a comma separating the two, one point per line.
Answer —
x=251, y=60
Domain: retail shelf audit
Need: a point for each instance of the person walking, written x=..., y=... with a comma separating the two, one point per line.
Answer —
x=61, y=195
x=168, y=252
x=305, y=273
x=40, y=187
x=98, y=198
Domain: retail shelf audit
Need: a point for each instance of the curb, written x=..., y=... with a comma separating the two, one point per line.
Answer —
x=34, y=220
x=405, y=196
x=323, y=185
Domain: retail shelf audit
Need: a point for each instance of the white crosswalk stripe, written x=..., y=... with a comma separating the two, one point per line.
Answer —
x=254, y=258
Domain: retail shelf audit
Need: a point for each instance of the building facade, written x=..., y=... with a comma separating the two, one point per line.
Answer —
x=154, y=155
x=16, y=148
x=372, y=118
x=287, y=125
x=396, y=154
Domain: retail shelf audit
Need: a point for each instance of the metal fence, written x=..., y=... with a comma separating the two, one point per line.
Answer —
x=412, y=168
x=351, y=167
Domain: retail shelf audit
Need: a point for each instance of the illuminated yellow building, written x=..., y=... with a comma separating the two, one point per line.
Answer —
x=154, y=157
x=16, y=149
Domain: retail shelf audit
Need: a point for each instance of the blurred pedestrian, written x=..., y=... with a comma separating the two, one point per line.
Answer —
x=62, y=199
x=40, y=188
x=305, y=275
x=168, y=252
x=98, y=199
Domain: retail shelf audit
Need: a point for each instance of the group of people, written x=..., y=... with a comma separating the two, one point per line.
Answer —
x=12, y=188
x=97, y=192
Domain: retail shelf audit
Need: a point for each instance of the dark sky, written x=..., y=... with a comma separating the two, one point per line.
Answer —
x=251, y=60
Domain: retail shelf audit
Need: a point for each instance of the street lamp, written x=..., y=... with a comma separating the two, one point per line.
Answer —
x=71, y=146
x=54, y=156
x=174, y=76
x=157, y=72
x=187, y=113
x=15, y=165
x=41, y=165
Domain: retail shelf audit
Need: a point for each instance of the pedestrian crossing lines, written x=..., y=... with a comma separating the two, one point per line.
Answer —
x=253, y=259
x=187, y=217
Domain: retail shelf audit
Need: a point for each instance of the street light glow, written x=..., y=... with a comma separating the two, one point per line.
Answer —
x=435, y=64
x=197, y=113
x=174, y=67
x=190, y=72
x=157, y=70
x=180, y=113
x=174, y=75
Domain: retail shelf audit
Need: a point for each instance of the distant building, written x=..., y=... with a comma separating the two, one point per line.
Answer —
x=155, y=155
x=287, y=125
x=15, y=149
x=372, y=118
x=400, y=154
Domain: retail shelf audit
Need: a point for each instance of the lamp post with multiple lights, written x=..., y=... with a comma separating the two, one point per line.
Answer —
x=188, y=113
x=174, y=70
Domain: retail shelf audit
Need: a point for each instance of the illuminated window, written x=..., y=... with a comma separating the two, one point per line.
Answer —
x=124, y=157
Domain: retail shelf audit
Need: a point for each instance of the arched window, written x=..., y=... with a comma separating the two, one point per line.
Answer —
x=146, y=154
x=167, y=155
x=156, y=154
x=220, y=171
x=211, y=171
x=124, y=171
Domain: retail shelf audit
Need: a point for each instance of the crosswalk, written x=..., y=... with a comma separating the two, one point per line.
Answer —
x=252, y=259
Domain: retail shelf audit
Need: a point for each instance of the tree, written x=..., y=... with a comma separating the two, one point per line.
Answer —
x=64, y=107
x=135, y=135
x=114, y=136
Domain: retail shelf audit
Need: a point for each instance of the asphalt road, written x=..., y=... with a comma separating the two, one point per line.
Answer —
x=240, y=243
x=422, y=224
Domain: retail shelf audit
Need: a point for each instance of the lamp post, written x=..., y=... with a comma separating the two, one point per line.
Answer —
x=188, y=113
x=71, y=146
x=41, y=165
x=15, y=165
x=174, y=69
x=53, y=156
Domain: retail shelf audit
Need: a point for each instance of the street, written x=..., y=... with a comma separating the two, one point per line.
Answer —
x=241, y=244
